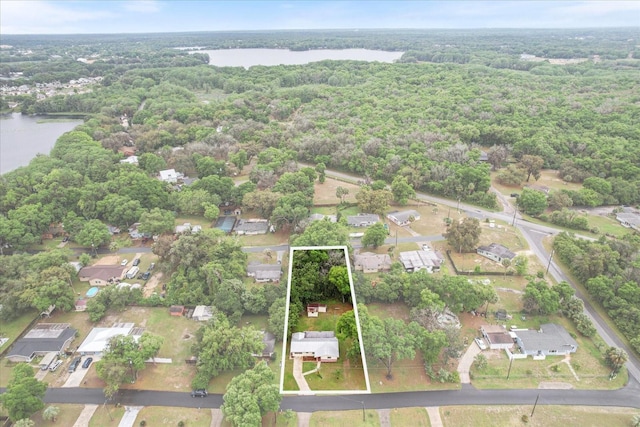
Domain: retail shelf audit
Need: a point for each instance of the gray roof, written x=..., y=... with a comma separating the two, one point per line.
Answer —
x=252, y=225
x=631, y=218
x=362, y=218
x=269, y=341
x=550, y=336
x=41, y=340
x=253, y=268
x=321, y=344
x=403, y=216
x=499, y=250
x=419, y=259
x=371, y=261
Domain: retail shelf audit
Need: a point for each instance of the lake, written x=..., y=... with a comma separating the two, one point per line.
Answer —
x=22, y=137
x=249, y=57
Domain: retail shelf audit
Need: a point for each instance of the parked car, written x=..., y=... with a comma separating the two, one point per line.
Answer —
x=124, y=262
x=74, y=364
x=480, y=343
x=426, y=247
x=55, y=365
x=65, y=239
x=199, y=393
x=136, y=262
x=145, y=275
x=87, y=362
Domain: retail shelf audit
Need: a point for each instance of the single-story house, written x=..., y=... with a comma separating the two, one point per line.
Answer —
x=403, y=218
x=550, y=340
x=202, y=313
x=43, y=338
x=251, y=226
x=265, y=272
x=101, y=275
x=113, y=229
x=98, y=339
x=225, y=223
x=313, y=345
x=269, y=341
x=176, y=310
x=315, y=308
x=362, y=220
x=368, y=262
x=187, y=227
x=170, y=176
x=497, y=336
x=495, y=252
x=421, y=260
x=629, y=220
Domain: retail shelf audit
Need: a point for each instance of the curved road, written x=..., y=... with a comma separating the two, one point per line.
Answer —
x=534, y=234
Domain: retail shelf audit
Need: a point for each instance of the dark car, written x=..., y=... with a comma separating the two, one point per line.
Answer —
x=136, y=262
x=199, y=393
x=87, y=362
x=145, y=275
x=65, y=239
x=74, y=364
x=516, y=195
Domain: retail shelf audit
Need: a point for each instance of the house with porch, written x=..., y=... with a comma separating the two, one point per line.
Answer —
x=550, y=340
x=495, y=252
x=315, y=346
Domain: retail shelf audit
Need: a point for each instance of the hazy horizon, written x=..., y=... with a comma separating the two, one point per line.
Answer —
x=55, y=17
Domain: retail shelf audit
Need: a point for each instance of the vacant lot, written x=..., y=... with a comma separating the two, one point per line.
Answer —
x=548, y=178
x=326, y=193
x=171, y=416
x=545, y=415
x=345, y=418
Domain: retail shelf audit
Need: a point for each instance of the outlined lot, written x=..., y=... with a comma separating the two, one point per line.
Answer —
x=320, y=295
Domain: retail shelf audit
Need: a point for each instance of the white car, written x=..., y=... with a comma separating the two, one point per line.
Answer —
x=426, y=247
x=480, y=343
x=124, y=262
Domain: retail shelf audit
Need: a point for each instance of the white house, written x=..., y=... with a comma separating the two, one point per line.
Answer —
x=98, y=339
x=495, y=252
x=362, y=220
x=403, y=218
x=169, y=175
x=318, y=346
x=421, y=260
x=629, y=220
x=550, y=340
x=251, y=226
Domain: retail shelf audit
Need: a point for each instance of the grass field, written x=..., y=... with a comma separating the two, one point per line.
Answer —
x=544, y=416
x=12, y=330
x=326, y=193
x=415, y=417
x=170, y=416
x=345, y=418
x=106, y=416
x=67, y=417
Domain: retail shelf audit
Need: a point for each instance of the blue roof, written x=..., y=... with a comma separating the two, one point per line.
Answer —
x=225, y=223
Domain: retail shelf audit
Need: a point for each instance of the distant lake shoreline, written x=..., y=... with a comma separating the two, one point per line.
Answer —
x=23, y=137
x=271, y=57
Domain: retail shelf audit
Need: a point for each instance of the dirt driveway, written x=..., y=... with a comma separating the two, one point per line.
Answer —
x=151, y=284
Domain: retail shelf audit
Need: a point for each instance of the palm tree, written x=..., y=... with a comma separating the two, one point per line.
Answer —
x=51, y=413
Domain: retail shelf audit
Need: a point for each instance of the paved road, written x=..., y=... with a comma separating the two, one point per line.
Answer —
x=534, y=234
x=468, y=395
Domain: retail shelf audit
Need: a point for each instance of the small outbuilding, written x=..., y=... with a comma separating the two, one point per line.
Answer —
x=176, y=310
x=202, y=313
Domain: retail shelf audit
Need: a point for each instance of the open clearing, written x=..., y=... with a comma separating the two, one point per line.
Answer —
x=544, y=416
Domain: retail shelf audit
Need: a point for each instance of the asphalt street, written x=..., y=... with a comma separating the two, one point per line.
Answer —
x=468, y=395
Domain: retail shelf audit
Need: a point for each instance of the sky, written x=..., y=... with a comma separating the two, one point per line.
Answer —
x=144, y=16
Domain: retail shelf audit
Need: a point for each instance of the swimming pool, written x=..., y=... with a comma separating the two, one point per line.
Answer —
x=92, y=292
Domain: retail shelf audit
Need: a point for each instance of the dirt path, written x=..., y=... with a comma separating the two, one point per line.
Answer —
x=151, y=284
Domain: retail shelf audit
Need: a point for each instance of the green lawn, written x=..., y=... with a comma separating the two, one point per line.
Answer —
x=345, y=418
x=415, y=417
x=544, y=416
x=107, y=416
x=169, y=415
x=67, y=417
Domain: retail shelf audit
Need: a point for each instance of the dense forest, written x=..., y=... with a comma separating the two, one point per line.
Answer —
x=432, y=118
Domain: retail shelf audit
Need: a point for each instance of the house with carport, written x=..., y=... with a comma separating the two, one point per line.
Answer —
x=42, y=339
x=550, y=339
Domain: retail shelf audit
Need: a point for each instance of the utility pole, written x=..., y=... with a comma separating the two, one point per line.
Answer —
x=509, y=371
x=550, y=258
x=534, y=406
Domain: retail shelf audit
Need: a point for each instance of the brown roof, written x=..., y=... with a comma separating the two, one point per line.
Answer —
x=103, y=272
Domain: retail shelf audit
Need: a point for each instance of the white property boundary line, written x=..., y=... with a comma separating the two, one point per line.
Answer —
x=355, y=312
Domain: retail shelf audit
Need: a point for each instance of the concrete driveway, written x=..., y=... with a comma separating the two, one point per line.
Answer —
x=466, y=361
